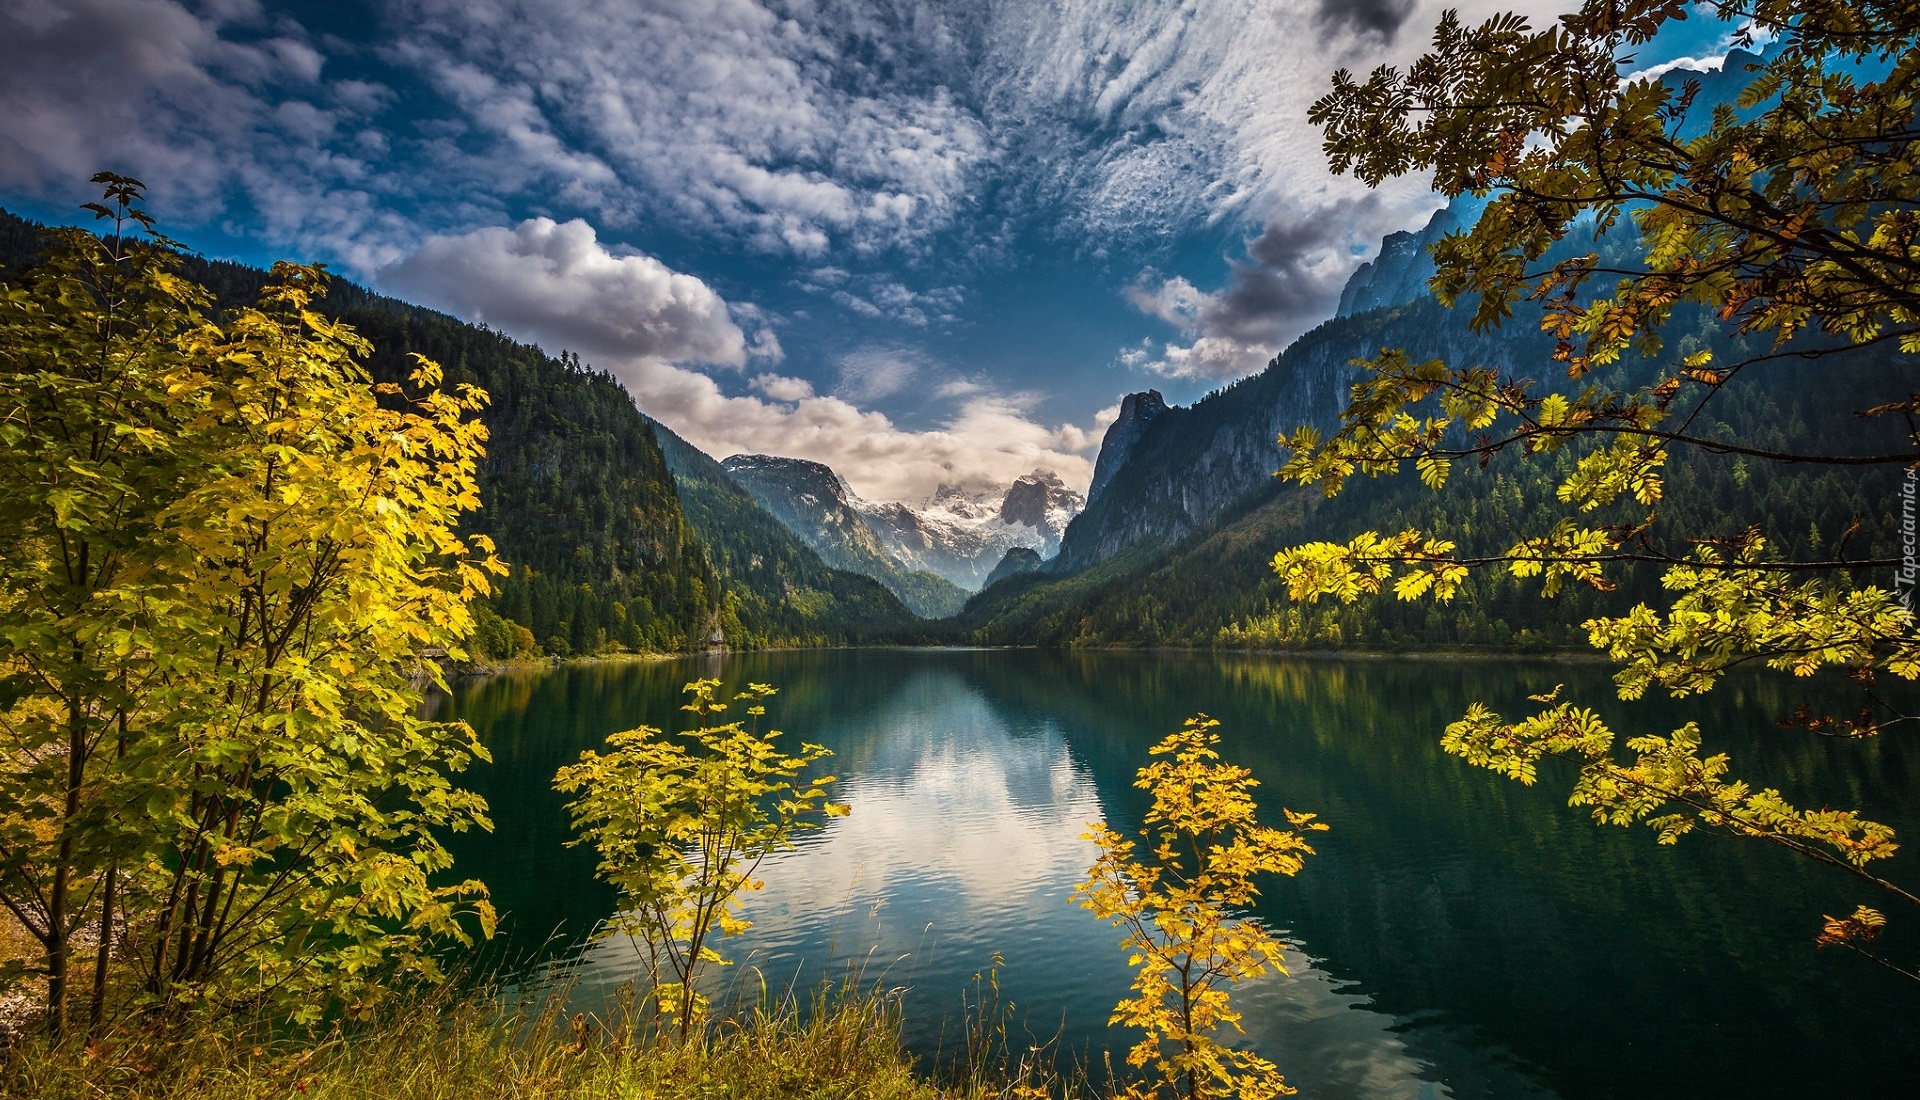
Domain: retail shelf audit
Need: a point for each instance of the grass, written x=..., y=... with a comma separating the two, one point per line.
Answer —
x=439, y=1045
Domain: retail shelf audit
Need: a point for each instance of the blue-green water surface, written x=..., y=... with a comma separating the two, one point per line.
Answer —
x=1458, y=934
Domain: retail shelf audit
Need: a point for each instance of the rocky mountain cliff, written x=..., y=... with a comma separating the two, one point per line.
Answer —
x=1137, y=410
x=1184, y=468
x=813, y=503
x=1400, y=272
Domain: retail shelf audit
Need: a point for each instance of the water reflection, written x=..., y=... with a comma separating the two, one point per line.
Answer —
x=1457, y=935
x=966, y=841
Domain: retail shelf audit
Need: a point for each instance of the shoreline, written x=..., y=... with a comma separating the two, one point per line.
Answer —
x=481, y=671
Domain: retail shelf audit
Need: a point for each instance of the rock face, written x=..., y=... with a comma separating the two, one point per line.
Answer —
x=1190, y=465
x=1019, y=559
x=931, y=554
x=1042, y=501
x=1137, y=411
x=1399, y=274
x=1164, y=473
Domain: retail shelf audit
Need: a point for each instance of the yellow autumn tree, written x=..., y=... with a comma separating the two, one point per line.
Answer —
x=1182, y=905
x=1786, y=222
x=228, y=559
x=681, y=825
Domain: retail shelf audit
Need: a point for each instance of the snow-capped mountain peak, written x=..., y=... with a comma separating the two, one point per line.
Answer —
x=956, y=533
x=962, y=536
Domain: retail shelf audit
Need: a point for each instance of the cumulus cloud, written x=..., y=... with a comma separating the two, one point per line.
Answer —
x=1289, y=280
x=781, y=388
x=988, y=441
x=557, y=284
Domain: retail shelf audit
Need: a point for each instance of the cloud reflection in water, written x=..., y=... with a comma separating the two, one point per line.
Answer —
x=965, y=840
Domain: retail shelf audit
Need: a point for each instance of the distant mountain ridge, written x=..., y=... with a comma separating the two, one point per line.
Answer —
x=931, y=554
x=816, y=505
x=779, y=589
x=962, y=536
x=1398, y=274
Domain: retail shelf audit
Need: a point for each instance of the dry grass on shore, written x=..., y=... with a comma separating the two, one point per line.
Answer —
x=440, y=1047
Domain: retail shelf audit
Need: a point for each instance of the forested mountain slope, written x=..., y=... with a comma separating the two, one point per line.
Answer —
x=1175, y=549
x=580, y=501
x=779, y=590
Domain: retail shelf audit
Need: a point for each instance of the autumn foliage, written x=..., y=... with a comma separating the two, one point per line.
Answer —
x=1182, y=903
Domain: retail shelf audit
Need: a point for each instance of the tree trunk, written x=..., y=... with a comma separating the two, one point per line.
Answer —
x=97, y=1012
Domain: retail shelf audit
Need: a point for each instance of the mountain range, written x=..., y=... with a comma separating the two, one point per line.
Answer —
x=622, y=536
x=1185, y=514
x=932, y=553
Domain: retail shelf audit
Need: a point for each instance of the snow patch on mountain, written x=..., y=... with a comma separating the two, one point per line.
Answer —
x=961, y=536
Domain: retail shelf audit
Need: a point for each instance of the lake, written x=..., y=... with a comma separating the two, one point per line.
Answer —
x=1458, y=934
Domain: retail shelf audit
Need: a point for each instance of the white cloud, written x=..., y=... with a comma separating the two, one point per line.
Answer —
x=1175, y=301
x=554, y=283
x=782, y=388
x=1678, y=64
x=871, y=373
x=724, y=114
x=1209, y=359
x=988, y=442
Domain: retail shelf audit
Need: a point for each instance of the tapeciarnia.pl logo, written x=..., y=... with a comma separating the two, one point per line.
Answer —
x=1905, y=581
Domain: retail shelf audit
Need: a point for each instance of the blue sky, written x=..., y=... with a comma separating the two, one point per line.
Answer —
x=922, y=242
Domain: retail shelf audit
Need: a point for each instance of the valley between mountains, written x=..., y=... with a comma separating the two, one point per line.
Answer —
x=623, y=537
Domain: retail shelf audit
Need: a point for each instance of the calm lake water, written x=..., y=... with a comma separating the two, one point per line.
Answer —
x=1457, y=934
